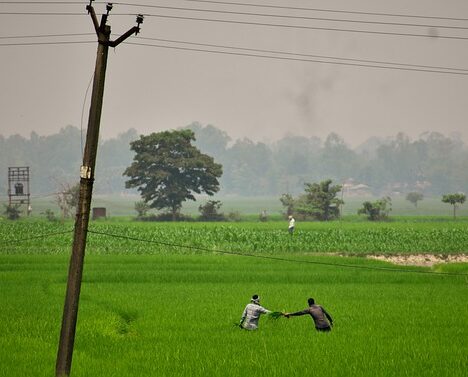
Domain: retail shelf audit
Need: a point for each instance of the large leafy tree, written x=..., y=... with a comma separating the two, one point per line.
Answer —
x=167, y=170
x=320, y=201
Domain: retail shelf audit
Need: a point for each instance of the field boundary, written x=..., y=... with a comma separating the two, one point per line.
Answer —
x=423, y=260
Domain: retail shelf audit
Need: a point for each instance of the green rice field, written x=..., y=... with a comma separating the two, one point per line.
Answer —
x=161, y=299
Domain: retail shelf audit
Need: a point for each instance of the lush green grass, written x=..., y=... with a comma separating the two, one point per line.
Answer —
x=173, y=315
x=149, y=309
x=246, y=237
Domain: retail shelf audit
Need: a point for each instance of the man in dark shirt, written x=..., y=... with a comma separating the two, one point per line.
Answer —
x=322, y=320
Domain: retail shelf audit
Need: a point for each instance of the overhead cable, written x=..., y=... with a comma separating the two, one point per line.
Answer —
x=45, y=43
x=251, y=5
x=45, y=235
x=304, y=55
x=45, y=35
x=387, y=14
x=260, y=256
x=298, y=59
x=297, y=17
x=307, y=27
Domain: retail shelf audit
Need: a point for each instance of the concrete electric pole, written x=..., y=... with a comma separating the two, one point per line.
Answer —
x=70, y=311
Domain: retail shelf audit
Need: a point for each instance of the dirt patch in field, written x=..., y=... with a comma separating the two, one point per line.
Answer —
x=421, y=259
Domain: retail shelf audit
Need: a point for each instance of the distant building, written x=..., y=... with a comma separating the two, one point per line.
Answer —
x=351, y=188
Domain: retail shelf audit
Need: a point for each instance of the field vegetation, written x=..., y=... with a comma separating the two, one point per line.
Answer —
x=130, y=237
x=161, y=299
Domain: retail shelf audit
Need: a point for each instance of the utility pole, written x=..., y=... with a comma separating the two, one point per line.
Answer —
x=70, y=310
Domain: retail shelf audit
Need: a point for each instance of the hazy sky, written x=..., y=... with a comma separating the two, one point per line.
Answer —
x=43, y=87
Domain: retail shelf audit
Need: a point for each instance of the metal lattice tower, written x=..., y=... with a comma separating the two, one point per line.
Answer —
x=18, y=186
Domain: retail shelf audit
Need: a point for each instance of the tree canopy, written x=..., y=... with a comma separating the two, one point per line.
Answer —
x=167, y=170
x=414, y=197
x=454, y=200
x=432, y=164
x=319, y=201
x=378, y=210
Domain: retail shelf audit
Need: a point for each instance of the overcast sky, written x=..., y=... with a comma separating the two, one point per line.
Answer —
x=43, y=87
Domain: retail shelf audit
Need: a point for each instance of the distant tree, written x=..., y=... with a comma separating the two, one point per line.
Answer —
x=249, y=168
x=414, y=197
x=337, y=159
x=234, y=216
x=287, y=201
x=49, y=214
x=12, y=212
x=114, y=157
x=210, y=139
x=141, y=208
x=455, y=200
x=319, y=201
x=209, y=211
x=167, y=169
x=67, y=198
x=377, y=210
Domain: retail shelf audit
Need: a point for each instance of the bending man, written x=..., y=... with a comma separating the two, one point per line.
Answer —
x=252, y=313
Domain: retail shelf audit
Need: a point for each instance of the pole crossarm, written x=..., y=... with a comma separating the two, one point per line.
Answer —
x=103, y=32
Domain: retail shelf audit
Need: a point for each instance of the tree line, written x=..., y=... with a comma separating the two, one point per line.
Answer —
x=433, y=164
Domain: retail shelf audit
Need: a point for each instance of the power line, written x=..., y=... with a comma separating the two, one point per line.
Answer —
x=305, y=55
x=267, y=6
x=43, y=2
x=170, y=244
x=42, y=14
x=298, y=17
x=345, y=61
x=252, y=23
x=305, y=27
x=82, y=114
x=44, y=43
x=46, y=35
x=230, y=47
x=45, y=235
x=297, y=59
x=326, y=10
x=242, y=254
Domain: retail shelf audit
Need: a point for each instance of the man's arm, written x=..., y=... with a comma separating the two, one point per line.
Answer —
x=262, y=310
x=302, y=312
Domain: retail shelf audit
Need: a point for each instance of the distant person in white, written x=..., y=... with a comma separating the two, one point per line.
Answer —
x=252, y=313
x=291, y=225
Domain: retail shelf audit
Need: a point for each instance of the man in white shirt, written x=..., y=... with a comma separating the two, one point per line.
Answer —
x=252, y=313
x=291, y=225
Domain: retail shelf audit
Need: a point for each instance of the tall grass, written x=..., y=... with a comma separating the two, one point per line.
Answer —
x=310, y=237
x=172, y=315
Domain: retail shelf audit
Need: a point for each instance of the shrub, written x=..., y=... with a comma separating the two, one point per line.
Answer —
x=234, y=216
x=166, y=217
x=12, y=212
x=49, y=214
x=141, y=208
x=209, y=211
x=378, y=210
